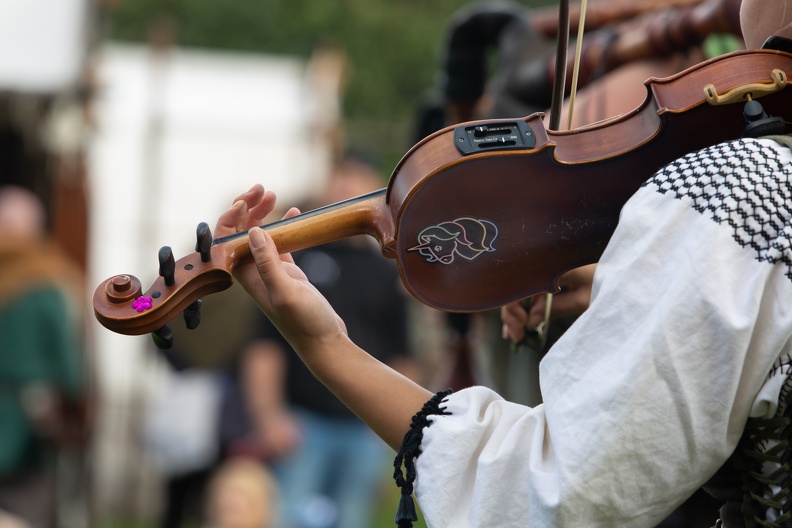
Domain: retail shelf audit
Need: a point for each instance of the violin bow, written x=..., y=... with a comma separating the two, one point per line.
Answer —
x=559, y=80
x=559, y=88
x=576, y=68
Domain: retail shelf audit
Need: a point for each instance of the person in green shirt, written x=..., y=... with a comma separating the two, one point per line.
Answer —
x=40, y=357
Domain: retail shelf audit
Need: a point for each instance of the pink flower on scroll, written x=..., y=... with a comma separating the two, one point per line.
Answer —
x=141, y=304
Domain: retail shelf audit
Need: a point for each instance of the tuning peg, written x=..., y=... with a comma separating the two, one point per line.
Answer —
x=167, y=265
x=204, y=241
x=192, y=315
x=163, y=337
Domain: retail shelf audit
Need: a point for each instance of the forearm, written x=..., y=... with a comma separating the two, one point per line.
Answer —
x=380, y=396
x=384, y=399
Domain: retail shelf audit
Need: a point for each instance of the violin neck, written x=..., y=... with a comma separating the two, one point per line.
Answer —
x=363, y=215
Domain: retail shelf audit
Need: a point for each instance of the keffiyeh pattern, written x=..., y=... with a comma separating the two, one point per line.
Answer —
x=743, y=183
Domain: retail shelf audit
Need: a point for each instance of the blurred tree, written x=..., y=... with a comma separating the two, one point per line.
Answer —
x=392, y=47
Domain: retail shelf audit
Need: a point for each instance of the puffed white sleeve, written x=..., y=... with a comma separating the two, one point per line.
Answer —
x=646, y=396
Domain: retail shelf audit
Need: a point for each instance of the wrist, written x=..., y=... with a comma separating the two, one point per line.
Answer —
x=321, y=347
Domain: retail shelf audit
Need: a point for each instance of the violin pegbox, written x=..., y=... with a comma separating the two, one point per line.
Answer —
x=163, y=337
x=121, y=305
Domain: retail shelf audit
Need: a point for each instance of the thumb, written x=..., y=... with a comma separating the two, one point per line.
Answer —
x=265, y=255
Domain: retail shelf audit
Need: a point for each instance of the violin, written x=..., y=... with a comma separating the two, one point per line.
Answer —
x=488, y=212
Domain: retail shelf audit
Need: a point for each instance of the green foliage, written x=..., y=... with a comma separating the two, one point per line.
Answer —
x=393, y=48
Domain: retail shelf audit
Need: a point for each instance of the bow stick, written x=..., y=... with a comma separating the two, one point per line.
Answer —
x=559, y=82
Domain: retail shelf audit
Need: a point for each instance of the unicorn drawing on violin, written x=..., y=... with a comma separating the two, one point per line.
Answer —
x=466, y=237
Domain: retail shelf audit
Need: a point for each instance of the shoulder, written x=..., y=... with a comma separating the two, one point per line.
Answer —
x=744, y=183
x=737, y=163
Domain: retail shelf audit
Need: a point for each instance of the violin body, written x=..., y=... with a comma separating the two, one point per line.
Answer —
x=488, y=212
x=556, y=205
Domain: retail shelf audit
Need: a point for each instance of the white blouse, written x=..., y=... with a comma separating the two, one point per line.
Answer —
x=646, y=396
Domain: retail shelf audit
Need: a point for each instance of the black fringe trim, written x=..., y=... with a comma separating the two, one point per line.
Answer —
x=757, y=478
x=408, y=452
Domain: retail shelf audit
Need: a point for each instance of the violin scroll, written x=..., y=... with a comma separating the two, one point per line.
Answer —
x=122, y=288
x=121, y=305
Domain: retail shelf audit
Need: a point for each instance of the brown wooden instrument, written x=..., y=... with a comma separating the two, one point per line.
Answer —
x=602, y=13
x=656, y=34
x=488, y=212
x=546, y=19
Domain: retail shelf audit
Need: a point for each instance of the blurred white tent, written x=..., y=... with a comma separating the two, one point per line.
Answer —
x=42, y=44
x=173, y=136
x=181, y=132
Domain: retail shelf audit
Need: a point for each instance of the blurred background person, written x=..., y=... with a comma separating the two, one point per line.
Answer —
x=242, y=494
x=328, y=465
x=41, y=360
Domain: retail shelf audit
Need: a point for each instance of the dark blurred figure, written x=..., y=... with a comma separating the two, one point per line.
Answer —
x=41, y=360
x=183, y=428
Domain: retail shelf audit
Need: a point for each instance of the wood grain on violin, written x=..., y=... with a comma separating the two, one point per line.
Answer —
x=488, y=212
